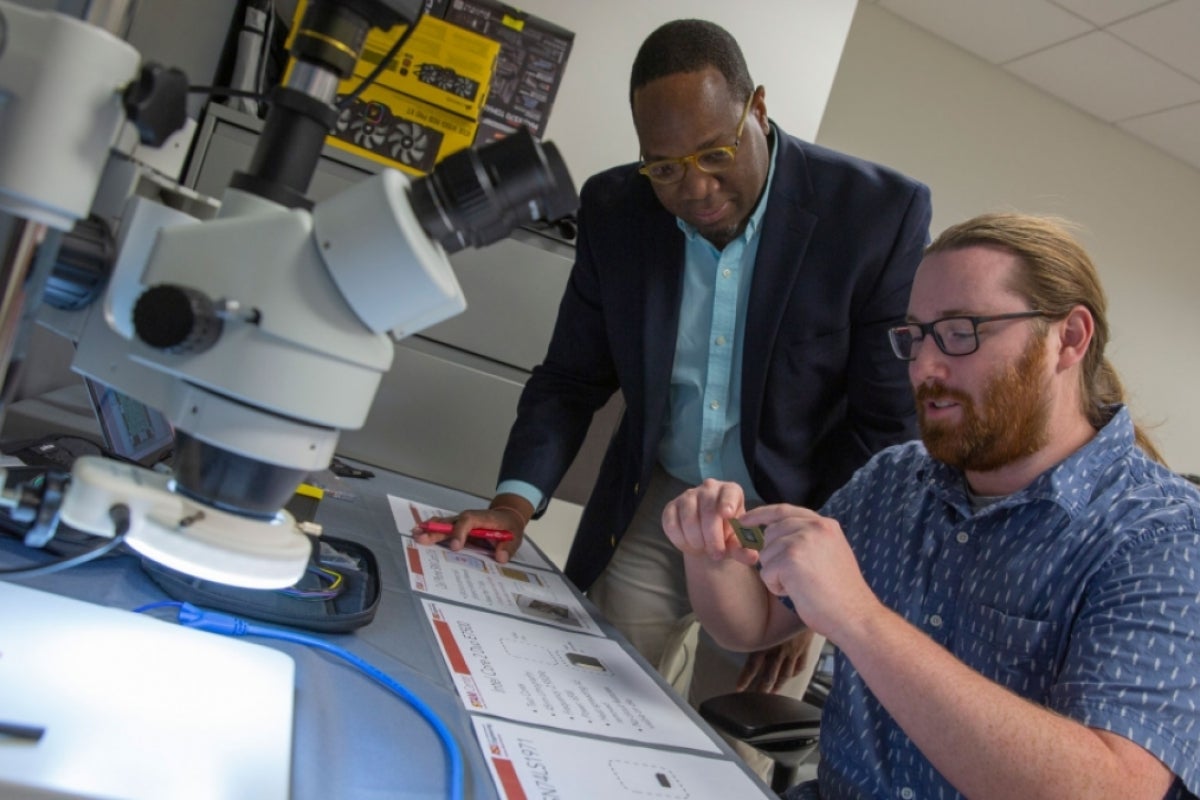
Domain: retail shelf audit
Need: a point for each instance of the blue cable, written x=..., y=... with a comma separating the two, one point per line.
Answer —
x=228, y=625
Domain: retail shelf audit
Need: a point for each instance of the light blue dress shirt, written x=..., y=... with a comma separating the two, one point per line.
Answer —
x=702, y=439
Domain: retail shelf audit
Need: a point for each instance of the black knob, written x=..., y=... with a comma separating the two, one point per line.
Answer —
x=156, y=103
x=176, y=319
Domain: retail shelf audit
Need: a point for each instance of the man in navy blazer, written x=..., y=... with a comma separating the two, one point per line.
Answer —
x=736, y=285
x=820, y=391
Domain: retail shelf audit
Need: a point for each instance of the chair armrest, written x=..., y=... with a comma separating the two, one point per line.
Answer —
x=759, y=718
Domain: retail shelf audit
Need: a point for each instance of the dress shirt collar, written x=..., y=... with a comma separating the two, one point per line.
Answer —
x=1069, y=484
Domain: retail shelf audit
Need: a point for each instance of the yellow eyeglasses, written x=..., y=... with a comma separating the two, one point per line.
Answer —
x=710, y=160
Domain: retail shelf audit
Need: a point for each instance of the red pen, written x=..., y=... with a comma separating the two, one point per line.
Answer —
x=486, y=534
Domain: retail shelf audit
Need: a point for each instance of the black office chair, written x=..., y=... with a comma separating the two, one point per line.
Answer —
x=785, y=729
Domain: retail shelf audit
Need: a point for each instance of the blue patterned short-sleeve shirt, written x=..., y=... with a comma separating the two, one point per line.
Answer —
x=1081, y=593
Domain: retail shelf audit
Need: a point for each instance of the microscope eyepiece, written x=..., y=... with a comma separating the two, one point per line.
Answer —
x=478, y=196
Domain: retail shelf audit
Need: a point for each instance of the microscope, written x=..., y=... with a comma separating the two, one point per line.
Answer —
x=261, y=326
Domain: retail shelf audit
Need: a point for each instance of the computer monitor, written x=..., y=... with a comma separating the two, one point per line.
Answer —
x=131, y=429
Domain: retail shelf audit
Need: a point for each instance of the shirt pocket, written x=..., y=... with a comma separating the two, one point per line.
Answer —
x=1014, y=651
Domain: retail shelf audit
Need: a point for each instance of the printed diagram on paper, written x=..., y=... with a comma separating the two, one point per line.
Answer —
x=537, y=674
x=477, y=580
x=473, y=577
x=531, y=762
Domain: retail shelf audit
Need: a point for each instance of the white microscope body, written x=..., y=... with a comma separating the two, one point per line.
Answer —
x=260, y=332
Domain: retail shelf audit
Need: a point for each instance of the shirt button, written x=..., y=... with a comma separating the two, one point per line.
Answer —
x=962, y=537
x=725, y=273
x=936, y=620
x=906, y=793
x=720, y=340
x=708, y=457
x=714, y=405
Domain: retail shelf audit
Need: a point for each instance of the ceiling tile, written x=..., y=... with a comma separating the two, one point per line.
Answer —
x=1170, y=32
x=1173, y=131
x=995, y=31
x=1105, y=12
x=1107, y=77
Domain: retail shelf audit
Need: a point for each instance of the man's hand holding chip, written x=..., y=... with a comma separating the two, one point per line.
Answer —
x=808, y=559
x=800, y=554
x=722, y=544
x=702, y=521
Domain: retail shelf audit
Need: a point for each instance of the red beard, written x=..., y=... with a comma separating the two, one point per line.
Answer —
x=1011, y=424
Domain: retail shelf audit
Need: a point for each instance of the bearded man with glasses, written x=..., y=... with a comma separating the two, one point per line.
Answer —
x=1014, y=598
x=735, y=285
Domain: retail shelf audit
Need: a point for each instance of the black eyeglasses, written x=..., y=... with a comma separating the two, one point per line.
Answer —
x=710, y=160
x=955, y=336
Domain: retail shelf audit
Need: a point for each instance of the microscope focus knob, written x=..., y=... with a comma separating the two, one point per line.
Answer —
x=176, y=319
x=156, y=103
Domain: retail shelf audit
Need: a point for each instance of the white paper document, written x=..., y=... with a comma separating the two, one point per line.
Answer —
x=408, y=513
x=527, y=672
x=476, y=579
x=537, y=764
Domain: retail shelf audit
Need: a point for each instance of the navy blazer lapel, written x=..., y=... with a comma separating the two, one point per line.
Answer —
x=787, y=229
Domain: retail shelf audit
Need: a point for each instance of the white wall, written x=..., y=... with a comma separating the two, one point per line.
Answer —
x=984, y=140
x=791, y=47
